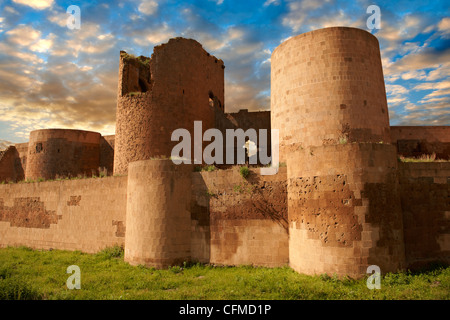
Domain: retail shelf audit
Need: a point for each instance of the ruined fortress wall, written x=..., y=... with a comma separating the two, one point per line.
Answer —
x=86, y=214
x=107, y=153
x=21, y=162
x=344, y=209
x=158, y=221
x=425, y=197
x=245, y=120
x=185, y=84
x=223, y=219
x=10, y=169
x=327, y=85
x=340, y=202
x=239, y=221
x=62, y=152
x=416, y=141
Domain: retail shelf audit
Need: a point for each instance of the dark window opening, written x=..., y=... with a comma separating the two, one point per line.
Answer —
x=59, y=151
x=211, y=95
x=38, y=147
x=143, y=85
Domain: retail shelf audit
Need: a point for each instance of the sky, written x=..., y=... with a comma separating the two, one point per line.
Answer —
x=52, y=76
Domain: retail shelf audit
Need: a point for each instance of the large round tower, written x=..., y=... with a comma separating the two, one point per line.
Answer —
x=158, y=225
x=329, y=103
x=327, y=87
x=62, y=152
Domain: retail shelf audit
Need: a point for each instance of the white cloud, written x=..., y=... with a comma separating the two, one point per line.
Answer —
x=154, y=36
x=433, y=85
x=395, y=89
x=36, y=4
x=299, y=15
x=444, y=26
x=415, y=74
x=59, y=18
x=10, y=10
x=43, y=45
x=442, y=71
x=269, y=2
x=148, y=7
x=23, y=35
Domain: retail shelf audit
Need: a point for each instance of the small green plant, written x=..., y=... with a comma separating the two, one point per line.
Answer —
x=135, y=93
x=209, y=168
x=141, y=59
x=112, y=252
x=210, y=193
x=102, y=172
x=343, y=140
x=238, y=188
x=176, y=269
x=127, y=56
x=119, y=175
x=244, y=171
x=282, y=164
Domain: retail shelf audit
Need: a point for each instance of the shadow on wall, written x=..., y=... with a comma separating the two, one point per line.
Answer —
x=200, y=220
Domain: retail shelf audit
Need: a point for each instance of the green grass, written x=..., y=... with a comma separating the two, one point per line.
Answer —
x=34, y=274
x=208, y=168
x=244, y=172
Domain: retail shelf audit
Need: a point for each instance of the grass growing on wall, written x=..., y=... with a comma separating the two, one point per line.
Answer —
x=422, y=158
x=34, y=274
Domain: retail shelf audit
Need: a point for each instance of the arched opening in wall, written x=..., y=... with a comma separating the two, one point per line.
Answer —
x=143, y=86
x=38, y=147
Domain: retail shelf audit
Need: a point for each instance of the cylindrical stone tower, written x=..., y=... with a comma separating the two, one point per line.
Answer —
x=158, y=223
x=329, y=103
x=344, y=209
x=181, y=83
x=327, y=86
x=62, y=152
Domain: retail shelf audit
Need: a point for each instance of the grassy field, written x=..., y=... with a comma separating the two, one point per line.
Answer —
x=34, y=274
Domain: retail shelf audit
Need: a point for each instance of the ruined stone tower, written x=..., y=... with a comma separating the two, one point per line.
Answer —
x=180, y=83
x=328, y=101
x=62, y=152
